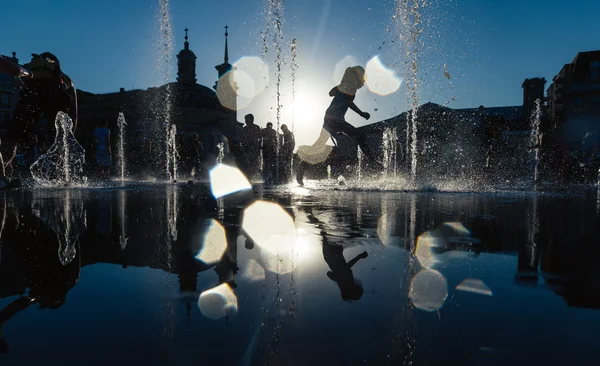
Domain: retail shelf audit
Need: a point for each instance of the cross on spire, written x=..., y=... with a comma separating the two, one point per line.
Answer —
x=186, y=36
x=226, y=50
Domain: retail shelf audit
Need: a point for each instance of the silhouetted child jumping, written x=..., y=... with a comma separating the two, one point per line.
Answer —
x=335, y=124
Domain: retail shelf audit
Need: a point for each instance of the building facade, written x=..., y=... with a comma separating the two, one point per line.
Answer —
x=9, y=93
x=573, y=108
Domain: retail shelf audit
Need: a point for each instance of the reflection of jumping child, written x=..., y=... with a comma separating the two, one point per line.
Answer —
x=335, y=124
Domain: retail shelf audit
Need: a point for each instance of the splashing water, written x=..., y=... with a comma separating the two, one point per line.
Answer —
x=536, y=117
x=64, y=160
x=121, y=163
x=164, y=67
x=328, y=172
x=221, y=152
x=390, y=145
x=359, y=156
x=410, y=26
x=172, y=153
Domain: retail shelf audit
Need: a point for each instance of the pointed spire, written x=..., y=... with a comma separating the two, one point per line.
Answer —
x=186, y=43
x=226, y=50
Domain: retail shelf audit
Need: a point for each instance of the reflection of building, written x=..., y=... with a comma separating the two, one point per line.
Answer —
x=193, y=107
x=9, y=92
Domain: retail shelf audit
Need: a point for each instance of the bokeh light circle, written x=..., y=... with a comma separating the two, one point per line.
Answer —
x=214, y=245
x=270, y=226
x=428, y=290
x=380, y=79
x=218, y=302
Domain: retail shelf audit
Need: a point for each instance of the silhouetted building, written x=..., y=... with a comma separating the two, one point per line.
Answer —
x=186, y=63
x=575, y=90
x=573, y=107
x=9, y=92
x=194, y=108
x=533, y=89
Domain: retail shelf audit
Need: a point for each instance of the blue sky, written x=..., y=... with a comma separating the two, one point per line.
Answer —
x=489, y=46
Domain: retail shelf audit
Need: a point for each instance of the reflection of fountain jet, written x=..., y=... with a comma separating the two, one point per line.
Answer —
x=172, y=212
x=122, y=218
x=527, y=272
x=67, y=220
x=386, y=225
x=2, y=222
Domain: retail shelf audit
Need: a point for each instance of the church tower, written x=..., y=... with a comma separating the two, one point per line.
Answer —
x=225, y=86
x=186, y=63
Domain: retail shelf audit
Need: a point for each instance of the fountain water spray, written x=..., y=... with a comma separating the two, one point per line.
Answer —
x=390, y=146
x=64, y=160
x=164, y=66
x=536, y=117
x=172, y=153
x=121, y=163
x=294, y=53
x=359, y=156
x=410, y=26
x=328, y=172
x=274, y=18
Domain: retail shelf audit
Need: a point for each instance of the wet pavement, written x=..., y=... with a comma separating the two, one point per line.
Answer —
x=167, y=275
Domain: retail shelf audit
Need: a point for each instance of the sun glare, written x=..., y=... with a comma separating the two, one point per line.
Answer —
x=306, y=109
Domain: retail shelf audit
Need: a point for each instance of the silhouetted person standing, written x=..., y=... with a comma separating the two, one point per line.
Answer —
x=45, y=91
x=251, y=137
x=287, y=149
x=269, y=150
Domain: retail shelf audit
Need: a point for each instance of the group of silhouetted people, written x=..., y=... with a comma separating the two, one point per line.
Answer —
x=254, y=141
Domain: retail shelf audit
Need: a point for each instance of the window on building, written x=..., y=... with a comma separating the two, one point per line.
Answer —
x=5, y=99
x=595, y=70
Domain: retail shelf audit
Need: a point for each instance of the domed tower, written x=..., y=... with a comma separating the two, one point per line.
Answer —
x=186, y=63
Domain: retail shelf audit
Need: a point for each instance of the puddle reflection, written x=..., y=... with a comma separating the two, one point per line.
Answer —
x=283, y=262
